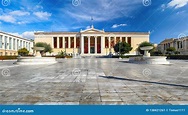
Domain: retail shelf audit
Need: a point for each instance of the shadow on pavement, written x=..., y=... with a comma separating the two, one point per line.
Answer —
x=143, y=81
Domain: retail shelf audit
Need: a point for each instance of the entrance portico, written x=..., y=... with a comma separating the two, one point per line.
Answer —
x=91, y=45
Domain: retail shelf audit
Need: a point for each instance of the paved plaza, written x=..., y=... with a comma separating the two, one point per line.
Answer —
x=94, y=81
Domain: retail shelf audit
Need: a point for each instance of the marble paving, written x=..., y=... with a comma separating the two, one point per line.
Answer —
x=96, y=81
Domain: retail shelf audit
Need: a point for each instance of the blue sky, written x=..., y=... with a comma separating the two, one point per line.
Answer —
x=163, y=18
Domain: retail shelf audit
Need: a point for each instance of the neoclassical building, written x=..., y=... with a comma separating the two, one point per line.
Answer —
x=180, y=45
x=10, y=44
x=90, y=41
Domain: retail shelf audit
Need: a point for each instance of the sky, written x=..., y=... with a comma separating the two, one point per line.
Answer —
x=162, y=18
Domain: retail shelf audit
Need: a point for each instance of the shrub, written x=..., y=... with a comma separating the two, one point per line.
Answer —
x=122, y=48
x=23, y=52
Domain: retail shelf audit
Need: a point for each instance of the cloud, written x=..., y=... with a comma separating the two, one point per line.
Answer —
x=88, y=27
x=19, y=13
x=26, y=34
x=8, y=18
x=119, y=25
x=163, y=7
x=42, y=15
x=177, y=3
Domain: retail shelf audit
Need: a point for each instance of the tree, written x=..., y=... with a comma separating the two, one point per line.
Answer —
x=47, y=47
x=144, y=44
x=122, y=48
x=170, y=50
x=23, y=52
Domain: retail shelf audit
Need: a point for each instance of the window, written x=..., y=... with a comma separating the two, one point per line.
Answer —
x=66, y=42
x=106, y=42
x=123, y=39
x=6, y=42
x=77, y=42
x=117, y=40
x=27, y=45
x=72, y=42
x=18, y=45
x=10, y=43
x=129, y=40
x=60, y=42
x=55, y=42
x=23, y=44
x=1, y=41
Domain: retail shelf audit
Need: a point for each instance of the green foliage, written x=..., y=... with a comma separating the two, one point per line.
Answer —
x=47, y=47
x=23, y=52
x=171, y=49
x=176, y=52
x=156, y=53
x=122, y=48
x=62, y=54
x=144, y=44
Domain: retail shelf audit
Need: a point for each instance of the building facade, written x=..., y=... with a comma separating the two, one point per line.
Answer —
x=90, y=41
x=180, y=45
x=10, y=44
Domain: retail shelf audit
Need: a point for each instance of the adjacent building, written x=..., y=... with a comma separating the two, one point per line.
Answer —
x=90, y=41
x=180, y=45
x=10, y=44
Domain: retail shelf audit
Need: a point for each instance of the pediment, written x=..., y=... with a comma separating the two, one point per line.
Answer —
x=91, y=30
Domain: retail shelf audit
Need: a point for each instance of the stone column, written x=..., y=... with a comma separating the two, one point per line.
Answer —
x=102, y=44
x=63, y=40
x=109, y=42
x=57, y=42
x=82, y=44
x=95, y=44
x=89, y=45
x=115, y=38
x=74, y=42
x=52, y=42
x=69, y=42
x=126, y=40
x=16, y=44
x=120, y=39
